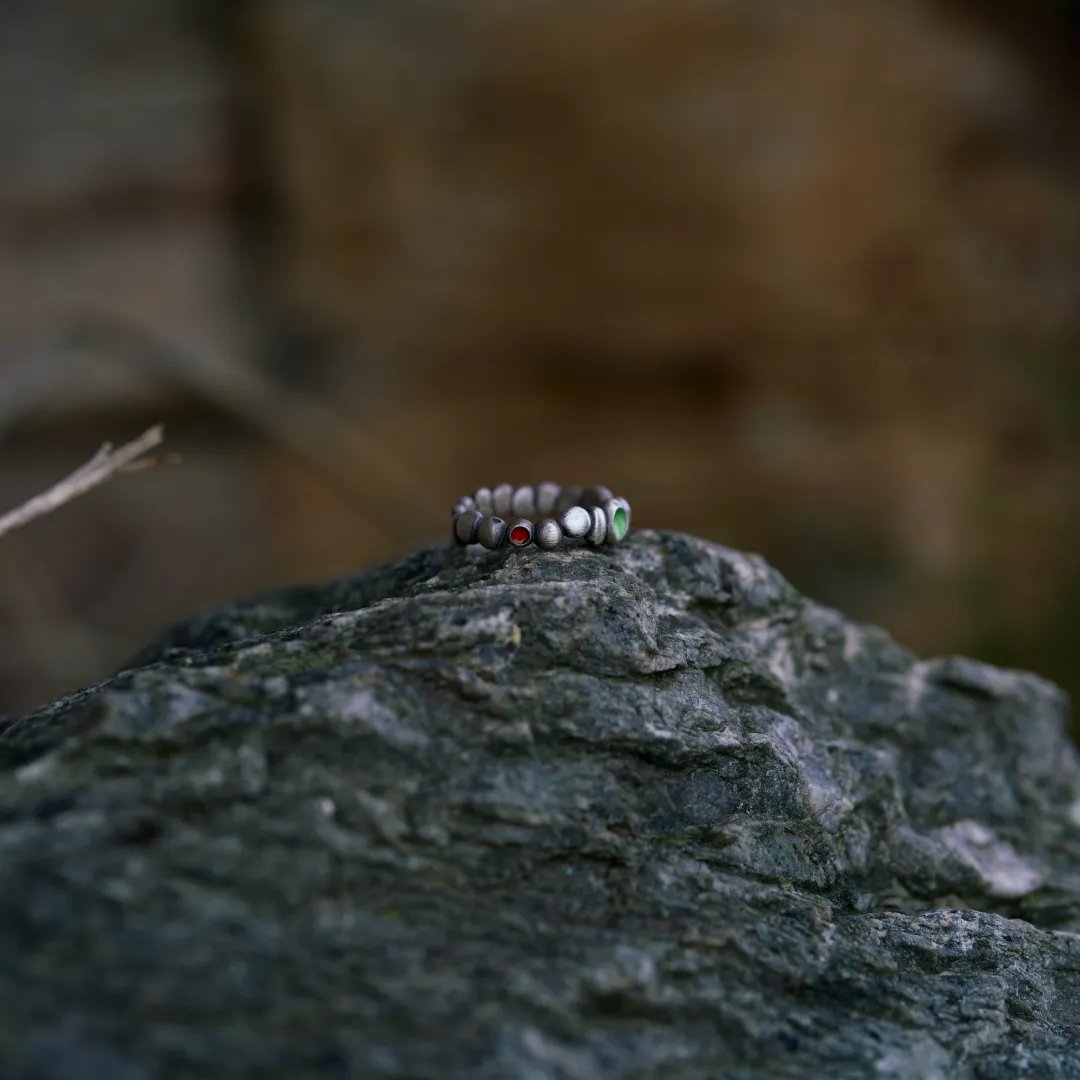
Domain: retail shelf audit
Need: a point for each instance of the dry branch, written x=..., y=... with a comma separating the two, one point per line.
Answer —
x=104, y=465
x=397, y=502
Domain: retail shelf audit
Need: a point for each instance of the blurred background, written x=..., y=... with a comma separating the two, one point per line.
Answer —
x=803, y=279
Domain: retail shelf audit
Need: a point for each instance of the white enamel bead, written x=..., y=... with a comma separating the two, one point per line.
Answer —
x=576, y=521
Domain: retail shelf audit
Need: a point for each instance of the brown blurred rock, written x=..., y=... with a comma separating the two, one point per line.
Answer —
x=865, y=190
x=114, y=187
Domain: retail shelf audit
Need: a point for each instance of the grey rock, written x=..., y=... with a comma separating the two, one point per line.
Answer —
x=642, y=812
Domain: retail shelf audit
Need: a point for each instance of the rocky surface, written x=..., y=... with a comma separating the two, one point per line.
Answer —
x=645, y=813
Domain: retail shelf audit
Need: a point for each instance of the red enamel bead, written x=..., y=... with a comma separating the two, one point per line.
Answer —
x=519, y=535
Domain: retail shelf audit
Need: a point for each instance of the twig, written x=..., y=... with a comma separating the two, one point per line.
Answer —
x=361, y=467
x=104, y=465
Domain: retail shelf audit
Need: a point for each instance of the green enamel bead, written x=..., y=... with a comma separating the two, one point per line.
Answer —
x=619, y=523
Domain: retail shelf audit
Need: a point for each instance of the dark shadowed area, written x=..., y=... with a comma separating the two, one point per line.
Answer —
x=805, y=282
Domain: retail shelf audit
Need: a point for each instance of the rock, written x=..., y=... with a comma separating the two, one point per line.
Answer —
x=642, y=813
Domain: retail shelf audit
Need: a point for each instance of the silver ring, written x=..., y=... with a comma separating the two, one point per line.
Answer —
x=503, y=516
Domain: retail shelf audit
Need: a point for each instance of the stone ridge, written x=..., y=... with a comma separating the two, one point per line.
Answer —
x=634, y=813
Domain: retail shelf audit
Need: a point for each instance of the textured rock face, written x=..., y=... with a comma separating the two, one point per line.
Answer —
x=646, y=813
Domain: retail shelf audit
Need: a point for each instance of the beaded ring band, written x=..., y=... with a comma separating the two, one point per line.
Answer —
x=591, y=515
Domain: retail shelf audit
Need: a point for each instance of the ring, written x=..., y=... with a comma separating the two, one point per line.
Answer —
x=495, y=517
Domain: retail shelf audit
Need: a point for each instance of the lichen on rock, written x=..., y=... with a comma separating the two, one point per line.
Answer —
x=645, y=812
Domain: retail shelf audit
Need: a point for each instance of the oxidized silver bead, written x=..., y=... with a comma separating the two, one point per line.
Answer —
x=597, y=527
x=547, y=495
x=548, y=535
x=466, y=526
x=569, y=496
x=576, y=521
x=523, y=502
x=500, y=499
x=492, y=533
x=463, y=505
x=616, y=519
x=595, y=496
x=520, y=533
x=483, y=501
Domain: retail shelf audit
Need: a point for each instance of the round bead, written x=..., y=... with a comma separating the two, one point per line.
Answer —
x=616, y=519
x=547, y=495
x=482, y=496
x=569, y=496
x=548, y=534
x=523, y=502
x=520, y=533
x=466, y=526
x=595, y=496
x=500, y=499
x=492, y=533
x=597, y=527
x=576, y=521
